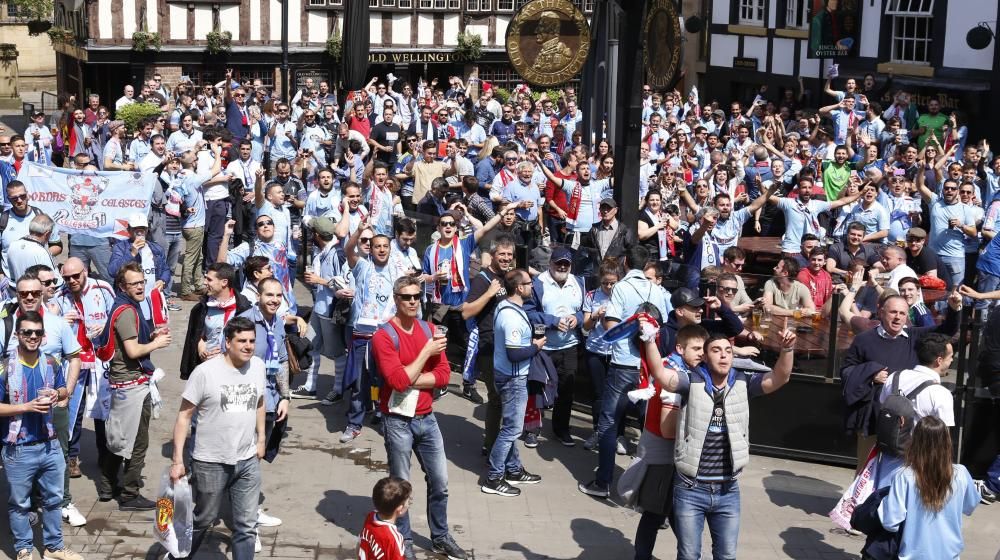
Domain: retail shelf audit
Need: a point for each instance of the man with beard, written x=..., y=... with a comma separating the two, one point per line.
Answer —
x=930, y=123
x=130, y=340
x=446, y=266
x=951, y=222
x=379, y=200
x=265, y=244
x=322, y=202
x=86, y=304
x=351, y=211
x=836, y=173
x=802, y=214
x=557, y=302
x=81, y=136
x=485, y=293
x=372, y=306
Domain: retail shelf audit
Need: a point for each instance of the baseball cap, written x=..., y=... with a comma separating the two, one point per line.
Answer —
x=609, y=202
x=138, y=220
x=37, y=113
x=686, y=296
x=718, y=113
x=561, y=254
x=323, y=226
x=919, y=233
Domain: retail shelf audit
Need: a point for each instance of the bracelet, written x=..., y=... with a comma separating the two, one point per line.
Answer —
x=783, y=350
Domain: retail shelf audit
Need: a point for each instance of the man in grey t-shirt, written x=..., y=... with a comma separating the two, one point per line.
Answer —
x=227, y=392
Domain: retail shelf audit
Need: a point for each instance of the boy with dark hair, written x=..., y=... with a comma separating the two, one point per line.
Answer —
x=379, y=538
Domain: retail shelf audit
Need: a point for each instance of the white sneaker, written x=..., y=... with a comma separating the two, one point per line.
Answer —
x=73, y=516
x=591, y=442
x=265, y=520
x=257, y=547
x=620, y=450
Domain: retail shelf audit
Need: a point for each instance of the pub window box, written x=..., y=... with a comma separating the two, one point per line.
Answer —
x=219, y=42
x=143, y=41
x=335, y=47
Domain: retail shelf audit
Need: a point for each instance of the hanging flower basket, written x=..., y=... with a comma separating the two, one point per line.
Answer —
x=146, y=41
x=37, y=27
x=335, y=47
x=470, y=46
x=219, y=42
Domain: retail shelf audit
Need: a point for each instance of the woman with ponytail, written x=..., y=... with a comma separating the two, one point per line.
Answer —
x=928, y=497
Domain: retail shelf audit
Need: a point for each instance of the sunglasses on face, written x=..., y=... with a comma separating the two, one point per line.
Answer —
x=949, y=188
x=446, y=224
x=49, y=282
x=18, y=198
x=408, y=297
x=32, y=333
x=365, y=240
x=33, y=294
x=68, y=277
x=263, y=223
x=730, y=291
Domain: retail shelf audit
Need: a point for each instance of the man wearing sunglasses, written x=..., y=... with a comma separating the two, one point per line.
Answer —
x=265, y=244
x=237, y=119
x=950, y=221
x=412, y=363
x=28, y=419
x=15, y=222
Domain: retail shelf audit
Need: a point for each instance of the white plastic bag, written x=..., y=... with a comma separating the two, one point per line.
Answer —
x=174, y=520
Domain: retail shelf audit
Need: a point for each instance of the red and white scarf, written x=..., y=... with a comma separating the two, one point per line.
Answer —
x=573, y=208
x=228, y=306
x=457, y=281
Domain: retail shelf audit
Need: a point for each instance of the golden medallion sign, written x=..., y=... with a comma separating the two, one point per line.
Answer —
x=661, y=34
x=548, y=42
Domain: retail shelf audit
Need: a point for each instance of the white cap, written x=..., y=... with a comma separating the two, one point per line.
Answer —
x=138, y=220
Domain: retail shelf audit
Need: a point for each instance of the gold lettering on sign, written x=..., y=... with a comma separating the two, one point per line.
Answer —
x=408, y=58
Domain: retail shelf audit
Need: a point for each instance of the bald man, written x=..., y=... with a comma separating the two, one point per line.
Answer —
x=85, y=304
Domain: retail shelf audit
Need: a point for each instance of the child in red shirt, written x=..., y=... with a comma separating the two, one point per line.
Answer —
x=379, y=539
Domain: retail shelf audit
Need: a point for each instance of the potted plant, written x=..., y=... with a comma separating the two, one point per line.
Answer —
x=335, y=46
x=146, y=41
x=470, y=46
x=219, y=41
x=37, y=12
x=59, y=34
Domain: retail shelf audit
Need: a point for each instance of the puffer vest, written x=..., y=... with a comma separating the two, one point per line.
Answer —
x=695, y=417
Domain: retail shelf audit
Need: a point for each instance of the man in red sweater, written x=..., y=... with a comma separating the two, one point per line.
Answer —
x=411, y=360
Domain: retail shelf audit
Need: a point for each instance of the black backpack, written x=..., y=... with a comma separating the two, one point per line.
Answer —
x=896, y=417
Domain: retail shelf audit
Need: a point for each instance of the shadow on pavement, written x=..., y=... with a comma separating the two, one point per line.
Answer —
x=810, y=495
x=802, y=542
x=596, y=541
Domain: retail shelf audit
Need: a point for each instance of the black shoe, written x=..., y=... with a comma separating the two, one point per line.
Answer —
x=593, y=488
x=565, y=439
x=137, y=503
x=448, y=547
x=500, y=488
x=376, y=420
x=523, y=477
x=530, y=440
x=438, y=393
x=105, y=497
x=470, y=392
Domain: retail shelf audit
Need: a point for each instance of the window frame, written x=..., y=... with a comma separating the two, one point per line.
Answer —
x=800, y=7
x=505, y=5
x=754, y=6
x=912, y=13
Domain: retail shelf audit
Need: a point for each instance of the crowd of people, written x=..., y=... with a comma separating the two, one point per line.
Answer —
x=528, y=278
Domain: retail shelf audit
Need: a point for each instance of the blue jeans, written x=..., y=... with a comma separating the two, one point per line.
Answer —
x=513, y=391
x=240, y=483
x=174, y=243
x=97, y=257
x=421, y=436
x=986, y=283
x=597, y=365
x=361, y=390
x=696, y=502
x=614, y=404
x=954, y=270
x=29, y=465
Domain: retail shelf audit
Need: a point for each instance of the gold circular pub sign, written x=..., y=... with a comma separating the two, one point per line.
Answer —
x=548, y=42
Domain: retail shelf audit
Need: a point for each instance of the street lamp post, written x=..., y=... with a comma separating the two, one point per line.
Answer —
x=285, y=86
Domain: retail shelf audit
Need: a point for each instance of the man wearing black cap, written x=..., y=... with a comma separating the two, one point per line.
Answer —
x=689, y=309
x=612, y=240
x=557, y=302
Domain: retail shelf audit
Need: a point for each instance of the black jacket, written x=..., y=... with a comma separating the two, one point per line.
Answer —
x=196, y=328
x=728, y=323
x=623, y=240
